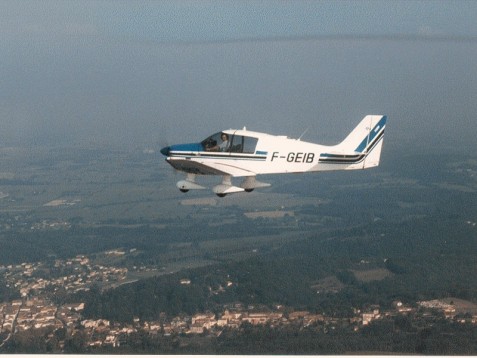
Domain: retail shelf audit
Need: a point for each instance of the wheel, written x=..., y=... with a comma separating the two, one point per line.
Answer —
x=249, y=190
x=184, y=190
x=221, y=195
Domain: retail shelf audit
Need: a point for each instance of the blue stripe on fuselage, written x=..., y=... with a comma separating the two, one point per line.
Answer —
x=215, y=155
x=331, y=158
x=197, y=150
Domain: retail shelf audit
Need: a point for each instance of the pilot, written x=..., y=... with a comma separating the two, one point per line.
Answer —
x=222, y=147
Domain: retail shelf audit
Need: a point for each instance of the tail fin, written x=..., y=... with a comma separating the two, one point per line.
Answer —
x=364, y=143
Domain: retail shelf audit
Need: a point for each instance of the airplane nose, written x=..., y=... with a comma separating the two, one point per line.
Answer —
x=165, y=150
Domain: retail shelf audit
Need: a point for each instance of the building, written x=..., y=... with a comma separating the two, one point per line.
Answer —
x=261, y=318
x=370, y=316
x=298, y=315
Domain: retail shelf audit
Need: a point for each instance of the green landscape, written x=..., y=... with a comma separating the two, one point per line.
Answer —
x=337, y=245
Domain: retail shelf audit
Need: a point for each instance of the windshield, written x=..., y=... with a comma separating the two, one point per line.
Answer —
x=218, y=142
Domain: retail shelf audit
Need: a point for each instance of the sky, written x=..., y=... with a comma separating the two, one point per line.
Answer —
x=153, y=73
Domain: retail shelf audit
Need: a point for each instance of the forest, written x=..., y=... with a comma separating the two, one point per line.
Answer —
x=424, y=263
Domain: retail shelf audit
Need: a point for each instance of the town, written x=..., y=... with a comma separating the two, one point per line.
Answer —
x=35, y=311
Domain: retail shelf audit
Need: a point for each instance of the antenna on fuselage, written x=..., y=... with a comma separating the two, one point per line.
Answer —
x=306, y=130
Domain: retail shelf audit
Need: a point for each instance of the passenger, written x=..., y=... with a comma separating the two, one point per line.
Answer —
x=222, y=147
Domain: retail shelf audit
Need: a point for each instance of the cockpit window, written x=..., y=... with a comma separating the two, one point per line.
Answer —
x=223, y=142
x=242, y=144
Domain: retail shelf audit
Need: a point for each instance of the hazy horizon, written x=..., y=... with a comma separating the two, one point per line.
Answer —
x=156, y=73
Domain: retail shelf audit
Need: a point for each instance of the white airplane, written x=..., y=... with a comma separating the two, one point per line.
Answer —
x=243, y=153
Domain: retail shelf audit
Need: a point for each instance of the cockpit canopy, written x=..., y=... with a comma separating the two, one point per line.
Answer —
x=224, y=142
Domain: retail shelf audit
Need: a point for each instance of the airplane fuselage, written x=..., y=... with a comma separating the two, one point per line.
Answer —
x=243, y=153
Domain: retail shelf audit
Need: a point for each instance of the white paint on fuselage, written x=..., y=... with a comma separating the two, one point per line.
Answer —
x=284, y=155
x=280, y=154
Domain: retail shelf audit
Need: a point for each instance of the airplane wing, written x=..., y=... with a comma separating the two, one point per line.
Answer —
x=211, y=168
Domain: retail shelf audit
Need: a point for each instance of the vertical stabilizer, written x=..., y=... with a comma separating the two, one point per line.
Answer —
x=361, y=149
x=363, y=136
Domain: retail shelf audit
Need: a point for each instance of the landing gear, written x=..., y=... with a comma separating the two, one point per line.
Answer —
x=188, y=184
x=226, y=187
x=248, y=185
